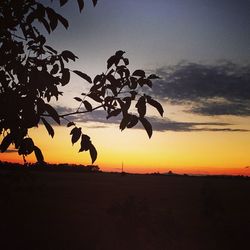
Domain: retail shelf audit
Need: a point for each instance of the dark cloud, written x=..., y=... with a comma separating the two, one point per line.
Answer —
x=221, y=89
x=98, y=116
x=169, y=125
x=158, y=124
x=211, y=108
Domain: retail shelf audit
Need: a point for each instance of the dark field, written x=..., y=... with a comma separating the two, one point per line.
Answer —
x=49, y=210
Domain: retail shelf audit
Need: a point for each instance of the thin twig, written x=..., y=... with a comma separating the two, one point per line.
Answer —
x=80, y=112
x=74, y=113
x=18, y=36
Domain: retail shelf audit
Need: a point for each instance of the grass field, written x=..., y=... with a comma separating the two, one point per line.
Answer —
x=97, y=211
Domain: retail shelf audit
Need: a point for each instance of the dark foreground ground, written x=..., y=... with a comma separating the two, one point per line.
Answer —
x=97, y=211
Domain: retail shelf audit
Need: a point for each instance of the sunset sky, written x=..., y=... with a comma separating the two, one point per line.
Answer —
x=201, y=51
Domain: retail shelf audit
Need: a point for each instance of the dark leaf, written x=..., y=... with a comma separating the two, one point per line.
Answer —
x=66, y=55
x=70, y=124
x=38, y=154
x=143, y=81
x=113, y=80
x=65, y=77
x=112, y=60
x=51, y=49
x=95, y=88
x=125, y=104
x=133, y=94
x=52, y=112
x=141, y=106
x=93, y=152
x=7, y=140
x=94, y=2
x=76, y=134
x=95, y=97
x=113, y=89
x=147, y=82
x=18, y=137
x=48, y=127
x=97, y=79
x=126, y=61
x=63, y=21
x=124, y=122
x=146, y=124
x=61, y=62
x=54, y=69
x=114, y=113
x=133, y=121
x=111, y=72
x=123, y=70
x=85, y=143
x=78, y=99
x=53, y=18
x=139, y=73
x=119, y=53
x=30, y=18
x=26, y=147
x=87, y=105
x=62, y=2
x=156, y=104
x=153, y=76
x=83, y=75
x=40, y=106
x=80, y=4
x=45, y=24
x=133, y=84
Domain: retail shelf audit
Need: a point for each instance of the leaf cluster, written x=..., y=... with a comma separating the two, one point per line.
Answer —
x=120, y=93
x=85, y=142
x=31, y=73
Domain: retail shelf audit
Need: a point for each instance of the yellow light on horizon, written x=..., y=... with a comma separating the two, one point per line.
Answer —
x=175, y=151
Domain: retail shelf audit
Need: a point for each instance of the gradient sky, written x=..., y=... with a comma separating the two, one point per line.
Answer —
x=201, y=50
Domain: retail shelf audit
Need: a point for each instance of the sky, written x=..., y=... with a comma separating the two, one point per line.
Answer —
x=201, y=51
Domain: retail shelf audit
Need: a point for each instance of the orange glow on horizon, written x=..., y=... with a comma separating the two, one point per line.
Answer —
x=180, y=152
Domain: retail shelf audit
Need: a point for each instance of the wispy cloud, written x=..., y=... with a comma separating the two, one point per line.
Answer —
x=212, y=108
x=220, y=89
x=170, y=125
x=159, y=124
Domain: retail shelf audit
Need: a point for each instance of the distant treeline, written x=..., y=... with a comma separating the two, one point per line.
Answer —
x=49, y=167
x=65, y=167
x=170, y=173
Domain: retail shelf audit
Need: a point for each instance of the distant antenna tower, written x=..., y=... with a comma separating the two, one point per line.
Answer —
x=122, y=166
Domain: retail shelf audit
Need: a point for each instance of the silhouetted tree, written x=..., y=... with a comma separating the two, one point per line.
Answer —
x=31, y=72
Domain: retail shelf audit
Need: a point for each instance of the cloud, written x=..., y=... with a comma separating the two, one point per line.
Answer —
x=169, y=125
x=158, y=124
x=220, y=89
x=212, y=108
x=98, y=116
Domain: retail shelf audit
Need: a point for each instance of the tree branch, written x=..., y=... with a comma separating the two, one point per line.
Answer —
x=80, y=112
x=74, y=113
x=18, y=36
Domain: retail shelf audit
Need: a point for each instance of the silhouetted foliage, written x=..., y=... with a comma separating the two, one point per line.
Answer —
x=31, y=73
x=62, y=167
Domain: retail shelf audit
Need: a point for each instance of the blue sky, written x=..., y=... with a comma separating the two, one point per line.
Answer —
x=202, y=36
x=201, y=51
x=157, y=33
